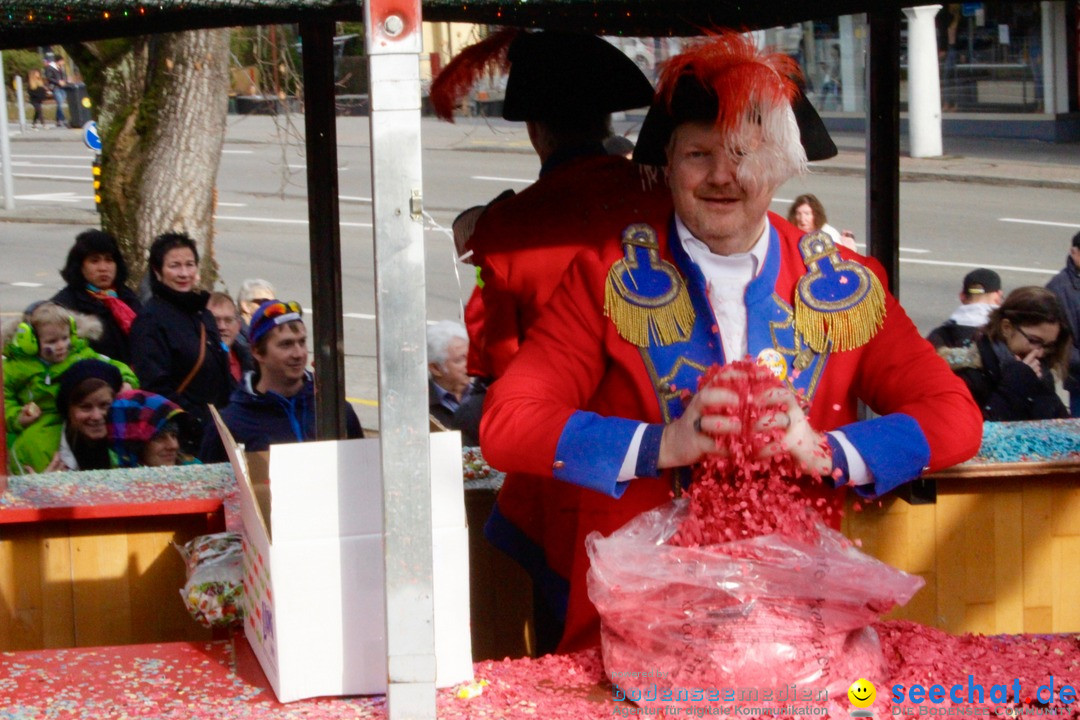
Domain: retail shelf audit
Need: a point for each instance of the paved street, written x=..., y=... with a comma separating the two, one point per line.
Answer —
x=1008, y=205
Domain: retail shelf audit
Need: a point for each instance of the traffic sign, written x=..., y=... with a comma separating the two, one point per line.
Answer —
x=91, y=137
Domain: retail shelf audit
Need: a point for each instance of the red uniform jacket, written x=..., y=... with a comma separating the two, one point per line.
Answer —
x=524, y=244
x=573, y=398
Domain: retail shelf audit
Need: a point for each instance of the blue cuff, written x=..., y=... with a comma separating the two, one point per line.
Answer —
x=894, y=448
x=649, y=452
x=839, y=462
x=592, y=449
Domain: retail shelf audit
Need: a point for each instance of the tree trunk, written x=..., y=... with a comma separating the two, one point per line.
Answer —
x=162, y=103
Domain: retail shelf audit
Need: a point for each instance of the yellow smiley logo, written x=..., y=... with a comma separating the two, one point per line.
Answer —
x=862, y=693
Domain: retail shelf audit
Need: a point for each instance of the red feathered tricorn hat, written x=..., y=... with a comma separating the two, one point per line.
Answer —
x=553, y=75
x=720, y=80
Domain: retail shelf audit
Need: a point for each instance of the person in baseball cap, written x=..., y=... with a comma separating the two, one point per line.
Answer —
x=980, y=294
x=982, y=281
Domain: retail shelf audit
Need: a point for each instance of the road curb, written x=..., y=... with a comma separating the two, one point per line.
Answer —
x=89, y=217
x=975, y=179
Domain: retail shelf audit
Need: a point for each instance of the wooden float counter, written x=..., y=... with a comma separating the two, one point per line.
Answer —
x=86, y=558
x=1000, y=547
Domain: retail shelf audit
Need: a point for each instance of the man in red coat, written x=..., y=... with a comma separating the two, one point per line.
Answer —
x=595, y=398
x=564, y=86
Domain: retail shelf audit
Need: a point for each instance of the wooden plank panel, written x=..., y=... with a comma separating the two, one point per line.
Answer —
x=1008, y=596
x=157, y=575
x=58, y=628
x=952, y=561
x=35, y=587
x=892, y=540
x=979, y=617
x=100, y=572
x=1066, y=584
x=1038, y=619
x=922, y=608
x=20, y=590
x=977, y=546
x=1065, y=510
x=1036, y=539
x=8, y=587
x=922, y=536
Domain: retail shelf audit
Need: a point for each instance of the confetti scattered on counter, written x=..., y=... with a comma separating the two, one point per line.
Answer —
x=54, y=494
x=1029, y=441
x=223, y=680
x=129, y=485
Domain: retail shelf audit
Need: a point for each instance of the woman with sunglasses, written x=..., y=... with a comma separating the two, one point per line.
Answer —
x=176, y=349
x=1010, y=368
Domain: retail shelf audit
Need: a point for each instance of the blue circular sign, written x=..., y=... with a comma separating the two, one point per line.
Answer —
x=91, y=137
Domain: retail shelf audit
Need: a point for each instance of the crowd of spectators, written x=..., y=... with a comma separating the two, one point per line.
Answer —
x=95, y=379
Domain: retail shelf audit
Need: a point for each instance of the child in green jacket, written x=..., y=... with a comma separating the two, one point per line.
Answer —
x=37, y=350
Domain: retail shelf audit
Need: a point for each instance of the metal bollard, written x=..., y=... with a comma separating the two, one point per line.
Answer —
x=20, y=103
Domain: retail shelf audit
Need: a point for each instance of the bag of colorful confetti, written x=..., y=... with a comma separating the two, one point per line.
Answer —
x=214, y=579
x=698, y=626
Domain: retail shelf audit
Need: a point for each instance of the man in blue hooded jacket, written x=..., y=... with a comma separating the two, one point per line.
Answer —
x=275, y=403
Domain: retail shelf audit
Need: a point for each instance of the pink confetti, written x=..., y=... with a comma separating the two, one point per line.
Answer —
x=741, y=491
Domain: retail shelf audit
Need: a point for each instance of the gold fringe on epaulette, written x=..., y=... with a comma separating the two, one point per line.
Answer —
x=665, y=323
x=847, y=328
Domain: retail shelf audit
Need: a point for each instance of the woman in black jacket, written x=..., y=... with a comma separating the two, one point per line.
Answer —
x=95, y=273
x=1011, y=366
x=177, y=351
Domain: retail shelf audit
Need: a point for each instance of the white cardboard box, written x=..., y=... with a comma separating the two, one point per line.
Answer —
x=313, y=565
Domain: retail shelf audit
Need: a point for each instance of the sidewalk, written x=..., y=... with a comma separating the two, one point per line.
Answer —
x=1028, y=163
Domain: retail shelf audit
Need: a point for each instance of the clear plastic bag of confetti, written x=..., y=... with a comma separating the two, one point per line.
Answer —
x=689, y=626
x=214, y=579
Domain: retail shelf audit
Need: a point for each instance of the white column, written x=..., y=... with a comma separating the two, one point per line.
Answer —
x=923, y=82
x=848, y=58
x=5, y=145
x=1055, y=79
x=19, y=103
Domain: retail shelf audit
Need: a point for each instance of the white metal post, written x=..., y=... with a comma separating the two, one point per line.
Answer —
x=19, y=103
x=923, y=82
x=393, y=38
x=5, y=145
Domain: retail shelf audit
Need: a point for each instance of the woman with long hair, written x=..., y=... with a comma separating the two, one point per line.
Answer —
x=808, y=214
x=38, y=93
x=1011, y=367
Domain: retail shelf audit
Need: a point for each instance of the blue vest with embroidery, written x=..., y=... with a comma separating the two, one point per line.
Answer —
x=676, y=366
